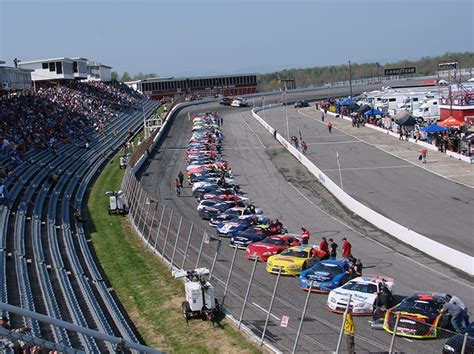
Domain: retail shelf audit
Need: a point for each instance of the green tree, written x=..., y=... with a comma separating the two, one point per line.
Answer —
x=126, y=77
x=115, y=76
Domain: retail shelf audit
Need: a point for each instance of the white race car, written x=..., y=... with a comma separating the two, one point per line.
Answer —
x=364, y=291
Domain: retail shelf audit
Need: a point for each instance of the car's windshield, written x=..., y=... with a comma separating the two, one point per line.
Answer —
x=233, y=212
x=361, y=287
x=331, y=269
x=416, y=305
x=273, y=241
x=295, y=253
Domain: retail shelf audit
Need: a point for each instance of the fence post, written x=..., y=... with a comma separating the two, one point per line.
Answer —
x=248, y=292
x=159, y=228
x=302, y=316
x=176, y=241
x=270, y=307
x=344, y=316
x=134, y=213
x=215, y=257
x=392, y=342
x=146, y=214
x=150, y=228
x=187, y=245
x=167, y=234
x=200, y=249
x=464, y=343
x=229, y=275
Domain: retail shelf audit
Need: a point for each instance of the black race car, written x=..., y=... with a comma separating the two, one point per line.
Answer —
x=454, y=344
x=419, y=316
x=253, y=233
x=301, y=103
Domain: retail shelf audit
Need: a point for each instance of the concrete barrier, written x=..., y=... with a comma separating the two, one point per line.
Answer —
x=432, y=248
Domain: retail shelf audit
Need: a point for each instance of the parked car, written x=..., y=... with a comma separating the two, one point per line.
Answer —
x=239, y=102
x=454, y=344
x=301, y=103
x=226, y=101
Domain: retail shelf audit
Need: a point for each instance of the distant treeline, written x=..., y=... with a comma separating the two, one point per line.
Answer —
x=335, y=73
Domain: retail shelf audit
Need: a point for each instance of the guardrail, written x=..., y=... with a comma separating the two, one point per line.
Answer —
x=432, y=248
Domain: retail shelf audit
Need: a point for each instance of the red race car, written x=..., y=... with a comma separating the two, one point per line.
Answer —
x=270, y=246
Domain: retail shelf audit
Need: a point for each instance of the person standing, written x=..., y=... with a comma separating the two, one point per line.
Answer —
x=177, y=187
x=346, y=249
x=349, y=331
x=424, y=152
x=456, y=313
x=304, y=147
x=181, y=178
x=304, y=235
x=329, y=127
x=324, y=246
x=322, y=116
x=465, y=315
x=332, y=249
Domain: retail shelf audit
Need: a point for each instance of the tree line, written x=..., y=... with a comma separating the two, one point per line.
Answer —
x=334, y=73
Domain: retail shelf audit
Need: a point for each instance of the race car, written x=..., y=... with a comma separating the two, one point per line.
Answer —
x=293, y=260
x=269, y=246
x=209, y=208
x=240, y=200
x=230, y=228
x=419, y=316
x=326, y=276
x=230, y=214
x=363, y=292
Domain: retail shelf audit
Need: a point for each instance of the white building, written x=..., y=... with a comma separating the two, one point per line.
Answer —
x=67, y=69
x=14, y=79
x=50, y=69
x=98, y=72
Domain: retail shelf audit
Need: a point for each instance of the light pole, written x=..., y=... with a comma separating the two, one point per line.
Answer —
x=350, y=78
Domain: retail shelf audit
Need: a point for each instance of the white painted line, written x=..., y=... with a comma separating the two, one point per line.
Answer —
x=367, y=168
x=337, y=142
x=261, y=308
x=379, y=243
x=408, y=340
x=253, y=131
x=388, y=152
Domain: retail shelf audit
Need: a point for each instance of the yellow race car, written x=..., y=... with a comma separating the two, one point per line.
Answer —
x=293, y=260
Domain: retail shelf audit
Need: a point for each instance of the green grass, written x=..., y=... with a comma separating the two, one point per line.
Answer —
x=151, y=296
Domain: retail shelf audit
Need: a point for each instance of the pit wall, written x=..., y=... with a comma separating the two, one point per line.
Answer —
x=432, y=248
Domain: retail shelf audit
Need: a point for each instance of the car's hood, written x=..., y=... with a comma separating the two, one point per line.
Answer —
x=356, y=296
x=286, y=260
x=261, y=247
x=318, y=276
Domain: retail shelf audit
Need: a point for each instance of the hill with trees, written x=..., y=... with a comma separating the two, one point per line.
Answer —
x=324, y=74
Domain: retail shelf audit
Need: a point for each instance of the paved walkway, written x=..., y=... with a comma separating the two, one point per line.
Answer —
x=437, y=162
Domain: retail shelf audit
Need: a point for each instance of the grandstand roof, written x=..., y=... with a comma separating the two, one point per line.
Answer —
x=186, y=78
x=46, y=60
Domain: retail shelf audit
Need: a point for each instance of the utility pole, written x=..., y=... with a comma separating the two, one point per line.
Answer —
x=350, y=77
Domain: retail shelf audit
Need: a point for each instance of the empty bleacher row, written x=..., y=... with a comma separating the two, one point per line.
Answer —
x=46, y=264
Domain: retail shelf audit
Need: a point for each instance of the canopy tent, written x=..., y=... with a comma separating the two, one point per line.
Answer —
x=353, y=106
x=434, y=128
x=364, y=109
x=373, y=112
x=345, y=102
x=405, y=118
x=450, y=122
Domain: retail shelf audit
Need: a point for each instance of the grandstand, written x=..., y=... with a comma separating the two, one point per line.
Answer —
x=53, y=143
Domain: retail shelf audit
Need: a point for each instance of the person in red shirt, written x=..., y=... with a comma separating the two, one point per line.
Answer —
x=329, y=127
x=324, y=246
x=346, y=249
x=304, y=235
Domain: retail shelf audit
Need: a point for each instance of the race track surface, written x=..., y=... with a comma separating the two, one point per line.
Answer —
x=277, y=183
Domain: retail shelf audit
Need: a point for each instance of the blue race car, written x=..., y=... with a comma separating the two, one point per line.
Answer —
x=326, y=275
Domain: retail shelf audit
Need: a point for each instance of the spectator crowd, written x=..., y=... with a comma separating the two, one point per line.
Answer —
x=59, y=113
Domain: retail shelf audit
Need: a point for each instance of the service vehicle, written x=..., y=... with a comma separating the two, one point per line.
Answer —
x=326, y=276
x=117, y=203
x=239, y=102
x=301, y=104
x=363, y=291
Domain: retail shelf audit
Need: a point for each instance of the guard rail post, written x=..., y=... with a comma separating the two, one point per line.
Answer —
x=187, y=245
x=215, y=257
x=159, y=228
x=302, y=316
x=200, y=249
x=229, y=275
x=150, y=227
x=395, y=328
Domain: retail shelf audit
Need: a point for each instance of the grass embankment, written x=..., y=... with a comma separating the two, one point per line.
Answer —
x=151, y=296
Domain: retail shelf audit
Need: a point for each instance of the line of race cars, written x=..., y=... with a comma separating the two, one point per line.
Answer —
x=234, y=216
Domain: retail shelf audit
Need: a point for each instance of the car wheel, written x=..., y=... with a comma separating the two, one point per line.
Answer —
x=186, y=310
x=304, y=266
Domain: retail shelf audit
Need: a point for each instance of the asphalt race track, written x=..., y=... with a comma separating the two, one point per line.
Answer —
x=416, y=198
x=278, y=184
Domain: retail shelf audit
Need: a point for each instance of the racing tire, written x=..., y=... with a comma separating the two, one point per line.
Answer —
x=109, y=211
x=186, y=310
x=303, y=267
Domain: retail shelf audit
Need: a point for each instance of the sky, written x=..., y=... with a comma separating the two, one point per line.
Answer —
x=184, y=37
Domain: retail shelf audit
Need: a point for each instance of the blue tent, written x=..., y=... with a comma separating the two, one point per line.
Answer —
x=434, y=128
x=345, y=102
x=373, y=112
